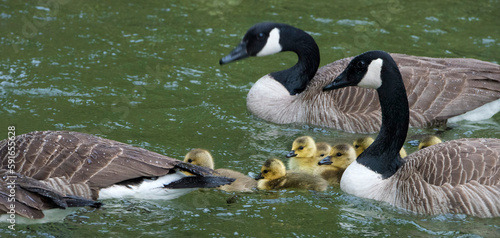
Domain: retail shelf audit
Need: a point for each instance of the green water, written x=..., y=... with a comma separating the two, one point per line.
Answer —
x=146, y=73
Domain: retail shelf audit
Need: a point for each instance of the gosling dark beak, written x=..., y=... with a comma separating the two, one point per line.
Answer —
x=259, y=176
x=291, y=154
x=240, y=52
x=339, y=82
x=326, y=161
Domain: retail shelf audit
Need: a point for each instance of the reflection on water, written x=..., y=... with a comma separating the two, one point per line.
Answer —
x=147, y=74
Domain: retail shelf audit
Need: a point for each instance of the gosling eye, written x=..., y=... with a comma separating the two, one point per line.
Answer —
x=190, y=161
x=360, y=64
x=356, y=146
x=301, y=147
x=260, y=36
x=321, y=155
x=265, y=171
x=339, y=154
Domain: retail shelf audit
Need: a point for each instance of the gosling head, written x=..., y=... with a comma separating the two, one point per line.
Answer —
x=272, y=169
x=361, y=144
x=199, y=157
x=303, y=147
x=322, y=150
x=341, y=156
x=428, y=141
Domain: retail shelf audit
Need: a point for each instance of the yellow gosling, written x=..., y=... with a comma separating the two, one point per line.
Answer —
x=333, y=166
x=203, y=158
x=322, y=150
x=303, y=155
x=273, y=176
x=361, y=144
x=428, y=141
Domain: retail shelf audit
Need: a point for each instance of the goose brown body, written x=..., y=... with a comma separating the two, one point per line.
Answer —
x=53, y=168
x=463, y=173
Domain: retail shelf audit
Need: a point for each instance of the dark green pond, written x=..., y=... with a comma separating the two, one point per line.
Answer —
x=146, y=73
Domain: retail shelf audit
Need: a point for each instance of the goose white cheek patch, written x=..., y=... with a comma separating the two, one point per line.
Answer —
x=372, y=77
x=272, y=45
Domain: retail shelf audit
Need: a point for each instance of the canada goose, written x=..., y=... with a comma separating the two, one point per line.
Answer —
x=59, y=169
x=242, y=183
x=458, y=176
x=362, y=143
x=428, y=141
x=438, y=89
x=273, y=176
x=303, y=155
x=333, y=166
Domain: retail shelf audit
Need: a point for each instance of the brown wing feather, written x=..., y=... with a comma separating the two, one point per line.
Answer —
x=69, y=164
x=460, y=162
x=86, y=158
x=437, y=88
x=32, y=196
x=460, y=176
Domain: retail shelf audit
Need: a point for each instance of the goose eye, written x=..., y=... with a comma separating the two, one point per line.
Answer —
x=301, y=147
x=360, y=64
x=339, y=154
x=260, y=36
x=190, y=161
x=265, y=171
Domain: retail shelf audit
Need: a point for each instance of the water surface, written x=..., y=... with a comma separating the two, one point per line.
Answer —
x=146, y=73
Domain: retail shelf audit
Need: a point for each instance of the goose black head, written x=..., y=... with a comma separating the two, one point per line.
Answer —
x=363, y=71
x=260, y=40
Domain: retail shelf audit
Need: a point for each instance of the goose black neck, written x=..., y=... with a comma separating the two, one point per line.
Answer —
x=296, y=78
x=383, y=155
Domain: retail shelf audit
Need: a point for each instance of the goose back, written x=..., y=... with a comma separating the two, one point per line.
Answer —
x=463, y=173
x=75, y=165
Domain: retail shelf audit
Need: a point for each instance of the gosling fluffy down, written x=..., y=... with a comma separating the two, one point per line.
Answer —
x=362, y=143
x=273, y=176
x=428, y=141
x=302, y=157
x=203, y=158
x=333, y=166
